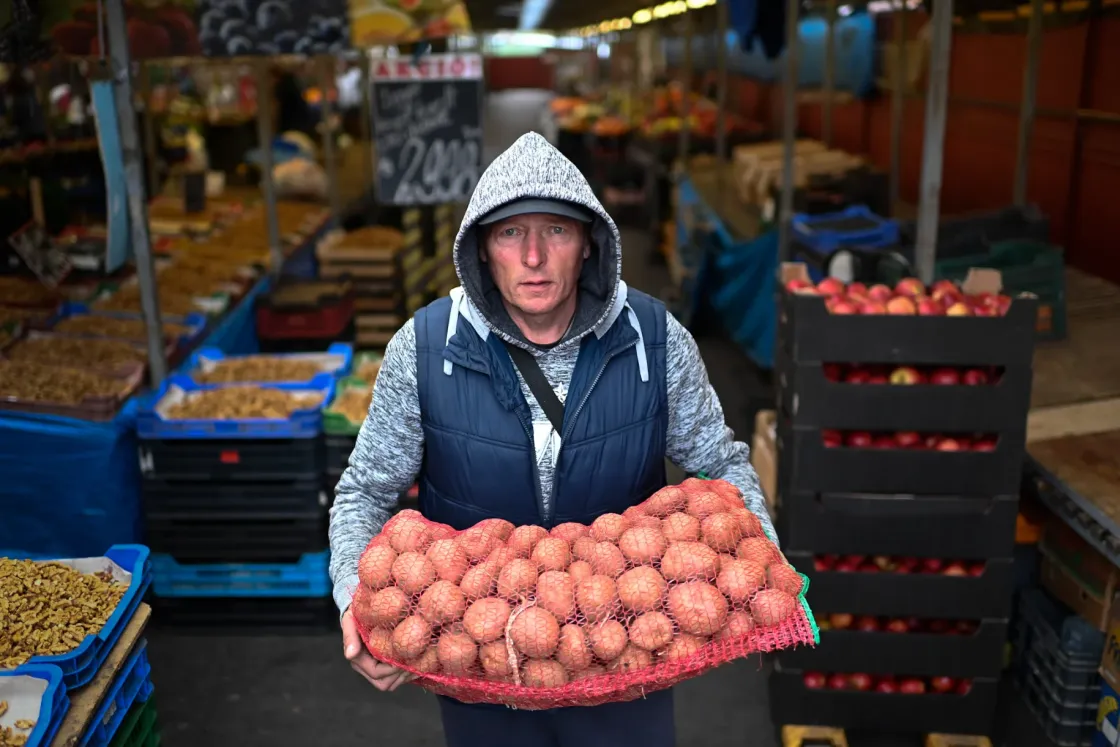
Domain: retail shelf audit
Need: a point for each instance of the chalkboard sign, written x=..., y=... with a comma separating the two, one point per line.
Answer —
x=427, y=123
x=40, y=255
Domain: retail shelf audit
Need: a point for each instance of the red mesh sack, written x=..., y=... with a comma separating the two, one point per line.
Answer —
x=580, y=615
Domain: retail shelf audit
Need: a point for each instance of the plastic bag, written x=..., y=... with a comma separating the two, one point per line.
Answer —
x=300, y=177
x=579, y=615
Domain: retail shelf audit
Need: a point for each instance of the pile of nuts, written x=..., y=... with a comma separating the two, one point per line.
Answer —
x=171, y=301
x=306, y=293
x=353, y=403
x=69, y=351
x=67, y=386
x=367, y=370
x=241, y=402
x=259, y=369
x=47, y=609
x=108, y=326
x=11, y=737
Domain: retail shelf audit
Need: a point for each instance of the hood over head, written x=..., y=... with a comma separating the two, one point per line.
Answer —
x=532, y=168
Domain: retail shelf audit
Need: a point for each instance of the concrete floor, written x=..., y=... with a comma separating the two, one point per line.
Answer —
x=231, y=691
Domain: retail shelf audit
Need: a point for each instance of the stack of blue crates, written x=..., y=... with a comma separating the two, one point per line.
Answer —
x=64, y=673
x=236, y=511
x=1057, y=655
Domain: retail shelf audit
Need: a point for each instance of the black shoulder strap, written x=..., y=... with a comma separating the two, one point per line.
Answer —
x=531, y=370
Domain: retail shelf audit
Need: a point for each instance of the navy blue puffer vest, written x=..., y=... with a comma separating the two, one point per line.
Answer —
x=479, y=459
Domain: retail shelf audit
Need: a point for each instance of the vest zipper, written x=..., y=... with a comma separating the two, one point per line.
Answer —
x=536, y=471
x=571, y=423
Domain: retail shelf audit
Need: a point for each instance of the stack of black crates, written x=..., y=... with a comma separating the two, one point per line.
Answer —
x=908, y=550
x=237, y=525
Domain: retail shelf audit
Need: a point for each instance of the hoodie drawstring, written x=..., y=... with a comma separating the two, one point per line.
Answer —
x=643, y=364
x=452, y=324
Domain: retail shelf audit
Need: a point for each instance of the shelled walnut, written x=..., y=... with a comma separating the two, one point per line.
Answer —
x=259, y=369
x=35, y=382
x=353, y=403
x=107, y=326
x=47, y=609
x=238, y=403
x=77, y=351
x=367, y=370
x=12, y=737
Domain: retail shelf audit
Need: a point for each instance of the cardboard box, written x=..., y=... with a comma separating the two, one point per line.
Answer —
x=764, y=458
x=1082, y=596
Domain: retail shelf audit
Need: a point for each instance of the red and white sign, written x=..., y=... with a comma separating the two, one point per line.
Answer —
x=429, y=67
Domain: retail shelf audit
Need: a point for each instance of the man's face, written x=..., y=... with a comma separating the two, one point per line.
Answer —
x=535, y=260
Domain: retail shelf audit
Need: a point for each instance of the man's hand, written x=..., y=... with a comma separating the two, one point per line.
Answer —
x=384, y=677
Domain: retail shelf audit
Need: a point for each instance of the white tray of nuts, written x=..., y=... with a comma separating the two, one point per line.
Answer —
x=32, y=706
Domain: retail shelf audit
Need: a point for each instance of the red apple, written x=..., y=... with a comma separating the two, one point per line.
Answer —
x=975, y=377
x=964, y=687
x=840, y=620
x=798, y=284
x=860, y=681
x=814, y=680
x=820, y=565
x=898, y=626
x=884, y=442
x=930, y=307
x=932, y=440
x=942, y=684
x=908, y=440
x=845, y=567
x=858, y=440
x=945, y=377
x=857, y=375
x=832, y=439
x=914, y=624
x=960, y=308
x=878, y=378
x=949, y=444
x=984, y=444
x=938, y=627
x=931, y=565
x=837, y=305
x=980, y=299
x=837, y=682
x=906, y=375
x=901, y=306
x=984, y=311
x=912, y=686
x=1002, y=304
x=857, y=559
x=880, y=293
x=872, y=307
x=955, y=569
x=868, y=568
x=945, y=292
x=906, y=565
x=833, y=371
x=910, y=287
x=886, y=685
x=830, y=287
x=976, y=569
x=867, y=624
x=857, y=289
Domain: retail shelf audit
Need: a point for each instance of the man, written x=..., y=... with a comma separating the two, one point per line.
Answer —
x=544, y=390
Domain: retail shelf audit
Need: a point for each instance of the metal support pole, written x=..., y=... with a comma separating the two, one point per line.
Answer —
x=330, y=161
x=149, y=124
x=137, y=195
x=686, y=94
x=898, y=104
x=789, y=129
x=366, y=120
x=829, y=83
x=264, y=135
x=721, y=92
x=933, y=149
x=1027, y=109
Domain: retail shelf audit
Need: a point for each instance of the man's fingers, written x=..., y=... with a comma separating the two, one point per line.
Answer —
x=402, y=679
x=351, y=641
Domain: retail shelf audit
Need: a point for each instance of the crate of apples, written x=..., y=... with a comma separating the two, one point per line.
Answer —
x=856, y=373
x=878, y=624
x=888, y=685
x=900, y=565
x=909, y=297
x=835, y=439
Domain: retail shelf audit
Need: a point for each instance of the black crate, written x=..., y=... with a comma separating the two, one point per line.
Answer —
x=217, y=539
x=232, y=459
x=1066, y=725
x=245, y=615
x=929, y=595
x=903, y=525
x=810, y=399
x=979, y=654
x=806, y=464
x=808, y=333
x=336, y=452
x=793, y=703
x=234, y=500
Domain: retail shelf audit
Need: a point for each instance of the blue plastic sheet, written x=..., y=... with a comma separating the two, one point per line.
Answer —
x=71, y=488
x=746, y=296
x=236, y=334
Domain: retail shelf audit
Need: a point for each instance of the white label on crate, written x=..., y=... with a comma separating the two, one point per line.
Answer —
x=147, y=463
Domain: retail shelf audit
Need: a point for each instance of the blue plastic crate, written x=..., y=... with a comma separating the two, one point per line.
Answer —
x=825, y=232
x=300, y=424
x=80, y=665
x=132, y=685
x=196, y=322
x=336, y=361
x=49, y=707
x=307, y=578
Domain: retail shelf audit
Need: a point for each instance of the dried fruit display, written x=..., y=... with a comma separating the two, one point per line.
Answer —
x=258, y=369
x=367, y=369
x=47, y=609
x=17, y=734
x=353, y=403
x=70, y=351
x=18, y=290
x=306, y=293
x=108, y=326
x=68, y=386
x=171, y=301
x=239, y=403
x=579, y=615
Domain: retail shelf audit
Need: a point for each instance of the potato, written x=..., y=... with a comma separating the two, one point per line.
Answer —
x=592, y=671
x=721, y=532
x=569, y=531
x=583, y=548
x=427, y=662
x=785, y=578
x=457, y=652
x=382, y=609
x=556, y=592
x=641, y=589
x=535, y=632
x=494, y=657
x=443, y=602
x=485, y=620
x=666, y=501
x=698, y=608
x=608, y=639
x=573, y=651
x=685, y=561
x=703, y=505
x=609, y=527
x=518, y=579
x=680, y=527
x=448, y=559
x=580, y=570
x=607, y=560
x=683, y=646
x=411, y=637
x=740, y=579
x=651, y=631
x=632, y=659
x=380, y=644
x=738, y=625
x=523, y=539
x=478, y=542
x=479, y=581
x=749, y=524
x=412, y=572
x=757, y=550
x=500, y=528
x=597, y=597
x=642, y=545
x=552, y=554
x=771, y=607
x=501, y=556
x=543, y=673
x=408, y=532
x=375, y=568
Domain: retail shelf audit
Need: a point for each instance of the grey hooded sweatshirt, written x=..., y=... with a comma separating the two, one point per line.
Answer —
x=389, y=452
